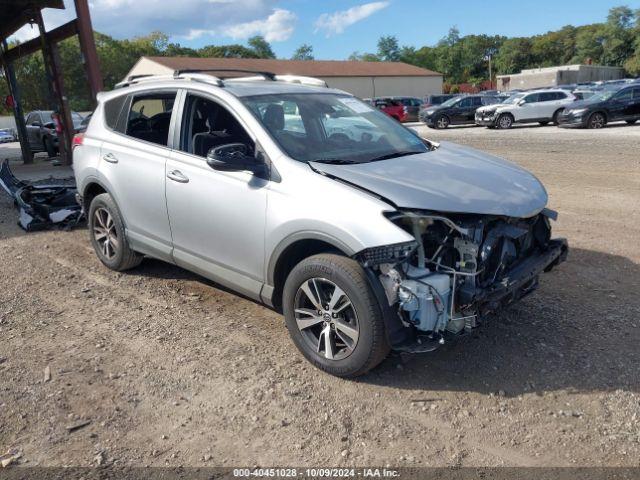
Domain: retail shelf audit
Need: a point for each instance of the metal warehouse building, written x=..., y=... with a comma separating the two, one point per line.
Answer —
x=554, y=76
x=363, y=79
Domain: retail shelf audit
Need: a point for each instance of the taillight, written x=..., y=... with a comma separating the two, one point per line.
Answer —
x=78, y=138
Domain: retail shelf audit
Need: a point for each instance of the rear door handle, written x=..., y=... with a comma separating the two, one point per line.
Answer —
x=110, y=157
x=178, y=176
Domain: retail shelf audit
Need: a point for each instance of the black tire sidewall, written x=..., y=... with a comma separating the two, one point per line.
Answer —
x=592, y=117
x=364, y=301
x=105, y=201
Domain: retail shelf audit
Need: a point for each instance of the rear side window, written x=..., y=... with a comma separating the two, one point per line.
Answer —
x=547, y=96
x=112, y=109
x=477, y=101
x=149, y=117
x=533, y=98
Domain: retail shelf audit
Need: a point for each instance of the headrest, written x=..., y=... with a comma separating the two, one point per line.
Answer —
x=274, y=117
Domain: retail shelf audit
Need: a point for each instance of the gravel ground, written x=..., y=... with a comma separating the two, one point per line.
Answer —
x=169, y=369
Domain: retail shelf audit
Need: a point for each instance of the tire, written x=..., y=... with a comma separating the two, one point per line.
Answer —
x=543, y=124
x=48, y=147
x=596, y=120
x=358, y=308
x=442, y=122
x=631, y=122
x=504, y=121
x=106, y=226
x=554, y=118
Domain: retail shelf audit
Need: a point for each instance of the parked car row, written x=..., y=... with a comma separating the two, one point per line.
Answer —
x=583, y=107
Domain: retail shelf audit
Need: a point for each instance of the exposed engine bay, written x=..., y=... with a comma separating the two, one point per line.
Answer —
x=460, y=269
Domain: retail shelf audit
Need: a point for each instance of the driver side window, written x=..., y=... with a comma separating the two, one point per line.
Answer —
x=149, y=117
x=207, y=124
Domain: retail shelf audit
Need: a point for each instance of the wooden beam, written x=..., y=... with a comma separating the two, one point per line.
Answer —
x=88, y=48
x=56, y=35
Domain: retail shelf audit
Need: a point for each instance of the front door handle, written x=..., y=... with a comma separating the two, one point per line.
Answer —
x=178, y=176
x=110, y=157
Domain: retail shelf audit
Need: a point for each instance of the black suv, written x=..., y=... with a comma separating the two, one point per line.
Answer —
x=610, y=105
x=456, y=111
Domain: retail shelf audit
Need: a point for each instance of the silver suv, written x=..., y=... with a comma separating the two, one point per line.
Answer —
x=366, y=236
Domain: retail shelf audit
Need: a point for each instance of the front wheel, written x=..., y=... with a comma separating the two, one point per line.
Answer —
x=596, y=120
x=505, y=121
x=442, y=122
x=333, y=315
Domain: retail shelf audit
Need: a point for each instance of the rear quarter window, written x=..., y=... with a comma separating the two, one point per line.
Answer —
x=112, y=110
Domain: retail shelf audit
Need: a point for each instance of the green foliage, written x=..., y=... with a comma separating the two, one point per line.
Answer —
x=261, y=47
x=303, y=52
x=388, y=49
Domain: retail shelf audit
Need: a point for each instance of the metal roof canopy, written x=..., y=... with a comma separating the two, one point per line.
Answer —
x=17, y=13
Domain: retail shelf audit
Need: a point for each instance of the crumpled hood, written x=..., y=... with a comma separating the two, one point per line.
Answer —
x=451, y=178
x=493, y=106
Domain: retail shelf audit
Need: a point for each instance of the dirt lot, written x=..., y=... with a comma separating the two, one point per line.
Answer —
x=171, y=370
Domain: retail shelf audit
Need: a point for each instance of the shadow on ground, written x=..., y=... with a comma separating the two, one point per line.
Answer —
x=580, y=331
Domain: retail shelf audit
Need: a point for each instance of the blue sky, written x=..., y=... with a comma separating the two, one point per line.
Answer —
x=335, y=28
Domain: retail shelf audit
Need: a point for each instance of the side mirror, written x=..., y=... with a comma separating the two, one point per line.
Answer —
x=521, y=103
x=233, y=157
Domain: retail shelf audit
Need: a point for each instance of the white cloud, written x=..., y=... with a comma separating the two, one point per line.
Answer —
x=277, y=27
x=337, y=22
x=186, y=18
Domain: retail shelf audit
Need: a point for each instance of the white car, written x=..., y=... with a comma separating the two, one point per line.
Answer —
x=542, y=106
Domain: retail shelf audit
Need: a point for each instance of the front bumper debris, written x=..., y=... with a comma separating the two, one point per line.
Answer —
x=42, y=206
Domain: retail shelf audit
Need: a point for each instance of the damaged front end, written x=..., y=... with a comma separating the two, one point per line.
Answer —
x=42, y=206
x=459, y=269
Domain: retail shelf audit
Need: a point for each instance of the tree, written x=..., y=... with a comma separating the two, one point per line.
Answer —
x=364, y=57
x=226, y=51
x=632, y=64
x=303, y=52
x=261, y=47
x=388, y=49
x=514, y=55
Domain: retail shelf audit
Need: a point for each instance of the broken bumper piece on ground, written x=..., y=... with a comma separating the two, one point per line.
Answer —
x=42, y=205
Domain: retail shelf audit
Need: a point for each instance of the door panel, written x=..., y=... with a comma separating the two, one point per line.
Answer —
x=217, y=221
x=135, y=172
x=619, y=105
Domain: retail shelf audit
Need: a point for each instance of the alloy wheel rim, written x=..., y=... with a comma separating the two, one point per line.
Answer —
x=104, y=233
x=326, y=318
x=598, y=121
x=505, y=122
x=442, y=122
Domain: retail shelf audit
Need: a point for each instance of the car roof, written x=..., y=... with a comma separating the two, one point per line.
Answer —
x=238, y=88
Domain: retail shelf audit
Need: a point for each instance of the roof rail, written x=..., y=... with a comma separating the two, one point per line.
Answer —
x=135, y=79
x=266, y=75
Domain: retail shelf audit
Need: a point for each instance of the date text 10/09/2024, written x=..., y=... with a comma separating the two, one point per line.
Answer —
x=316, y=472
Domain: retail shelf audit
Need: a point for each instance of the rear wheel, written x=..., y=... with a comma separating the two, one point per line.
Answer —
x=554, y=119
x=48, y=147
x=596, y=120
x=442, y=122
x=505, y=121
x=107, y=235
x=333, y=316
x=631, y=122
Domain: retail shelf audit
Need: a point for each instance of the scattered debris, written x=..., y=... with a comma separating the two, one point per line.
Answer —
x=41, y=205
x=47, y=373
x=11, y=456
x=77, y=426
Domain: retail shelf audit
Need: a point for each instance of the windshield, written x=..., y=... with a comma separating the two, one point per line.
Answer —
x=332, y=128
x=451, y=101
x=513, y=99
x=604, y=95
